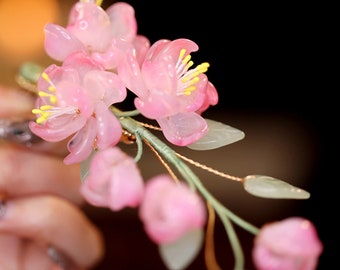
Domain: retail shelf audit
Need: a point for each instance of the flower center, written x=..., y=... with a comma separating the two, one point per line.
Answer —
x=188, y=78
x=49, y=111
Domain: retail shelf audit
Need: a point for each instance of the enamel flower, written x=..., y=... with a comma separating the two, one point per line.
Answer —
x=113, y=181
x=105, y=35
x=291, y=244
x=169, y=91
x=165, y=203
x=74, y=100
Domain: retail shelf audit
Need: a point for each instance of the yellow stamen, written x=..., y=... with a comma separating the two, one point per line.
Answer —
x=98, y=2
x=51, y=88
x=43, y=115
x=46, y=78
x=188, y=90
x=191, y=78
x=46, y=107
x=181, y=53
x=188, y=77
x=53, y=98
x=48, y=111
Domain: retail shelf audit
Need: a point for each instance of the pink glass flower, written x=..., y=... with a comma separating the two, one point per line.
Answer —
x=169, y=209
x=114, y=180
x=104, y=35
x=169, y=91
x=291, y=244
x=74, y=99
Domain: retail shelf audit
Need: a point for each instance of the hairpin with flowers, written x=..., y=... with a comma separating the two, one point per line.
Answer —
x=103, y=59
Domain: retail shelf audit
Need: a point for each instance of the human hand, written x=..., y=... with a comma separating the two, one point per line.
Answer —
x=42, y=225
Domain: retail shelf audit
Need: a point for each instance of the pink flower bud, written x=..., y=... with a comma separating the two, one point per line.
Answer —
x=114, y=180
x=291, y=244
x=169, y=209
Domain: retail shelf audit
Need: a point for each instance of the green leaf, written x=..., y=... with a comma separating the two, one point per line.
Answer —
x=30, y=71
x=180, y=254
x=218, y=135
x=269, y=187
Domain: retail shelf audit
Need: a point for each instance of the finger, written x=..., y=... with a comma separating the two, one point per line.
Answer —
x=16, y=103
x=51, y=221
x=16, y=253
x=23, y=172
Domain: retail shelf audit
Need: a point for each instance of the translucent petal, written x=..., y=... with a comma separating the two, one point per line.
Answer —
x=218, y=135
x=183, y=128
x=179, y=254
x=269, y=187
x=59, y=42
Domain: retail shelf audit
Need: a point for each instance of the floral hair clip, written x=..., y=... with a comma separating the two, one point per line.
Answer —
x=103, y=58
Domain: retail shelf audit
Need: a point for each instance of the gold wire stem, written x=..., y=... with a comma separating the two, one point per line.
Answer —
x=209, y=169
x=166, y=165
x=127, y=137
x=149, y=126
x=209, y=251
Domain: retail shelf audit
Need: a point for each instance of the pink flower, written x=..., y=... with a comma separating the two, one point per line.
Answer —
x=105, y=35
x=74, y=100
x=169, y=91
x=291, y=244
x=169, y=209
x=114, y=180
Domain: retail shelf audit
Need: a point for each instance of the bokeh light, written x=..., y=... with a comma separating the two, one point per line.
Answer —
x=21, y=27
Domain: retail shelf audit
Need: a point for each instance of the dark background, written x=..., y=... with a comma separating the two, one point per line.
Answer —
x=268, y=61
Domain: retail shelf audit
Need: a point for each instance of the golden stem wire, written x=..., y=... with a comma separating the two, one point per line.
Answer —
x=166, y=165
x=195, y=163
x=209, y=251
x=209, y=169
x=149, y=126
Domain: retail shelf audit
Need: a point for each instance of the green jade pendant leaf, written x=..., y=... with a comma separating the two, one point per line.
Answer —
x=269, y=187
x=30, y=71
x=179, y=254
x=218, y=135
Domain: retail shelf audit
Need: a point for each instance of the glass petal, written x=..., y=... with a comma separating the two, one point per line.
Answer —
x=269, y=187
x=179, y=254
x=218, y=135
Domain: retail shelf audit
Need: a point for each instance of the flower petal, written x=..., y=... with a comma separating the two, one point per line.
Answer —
x=183, y=128
x=113, y=181
x=290, y=244
x=58, y=129
x=169, y=210
x=80, y=146
x=123, y=21
x=109, y=130
x=59, y=43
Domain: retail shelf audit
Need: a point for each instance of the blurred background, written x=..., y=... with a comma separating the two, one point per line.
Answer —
x=268, y=65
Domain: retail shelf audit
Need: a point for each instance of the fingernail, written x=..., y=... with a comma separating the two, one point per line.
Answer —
x=60, y=259
x=17, y=132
